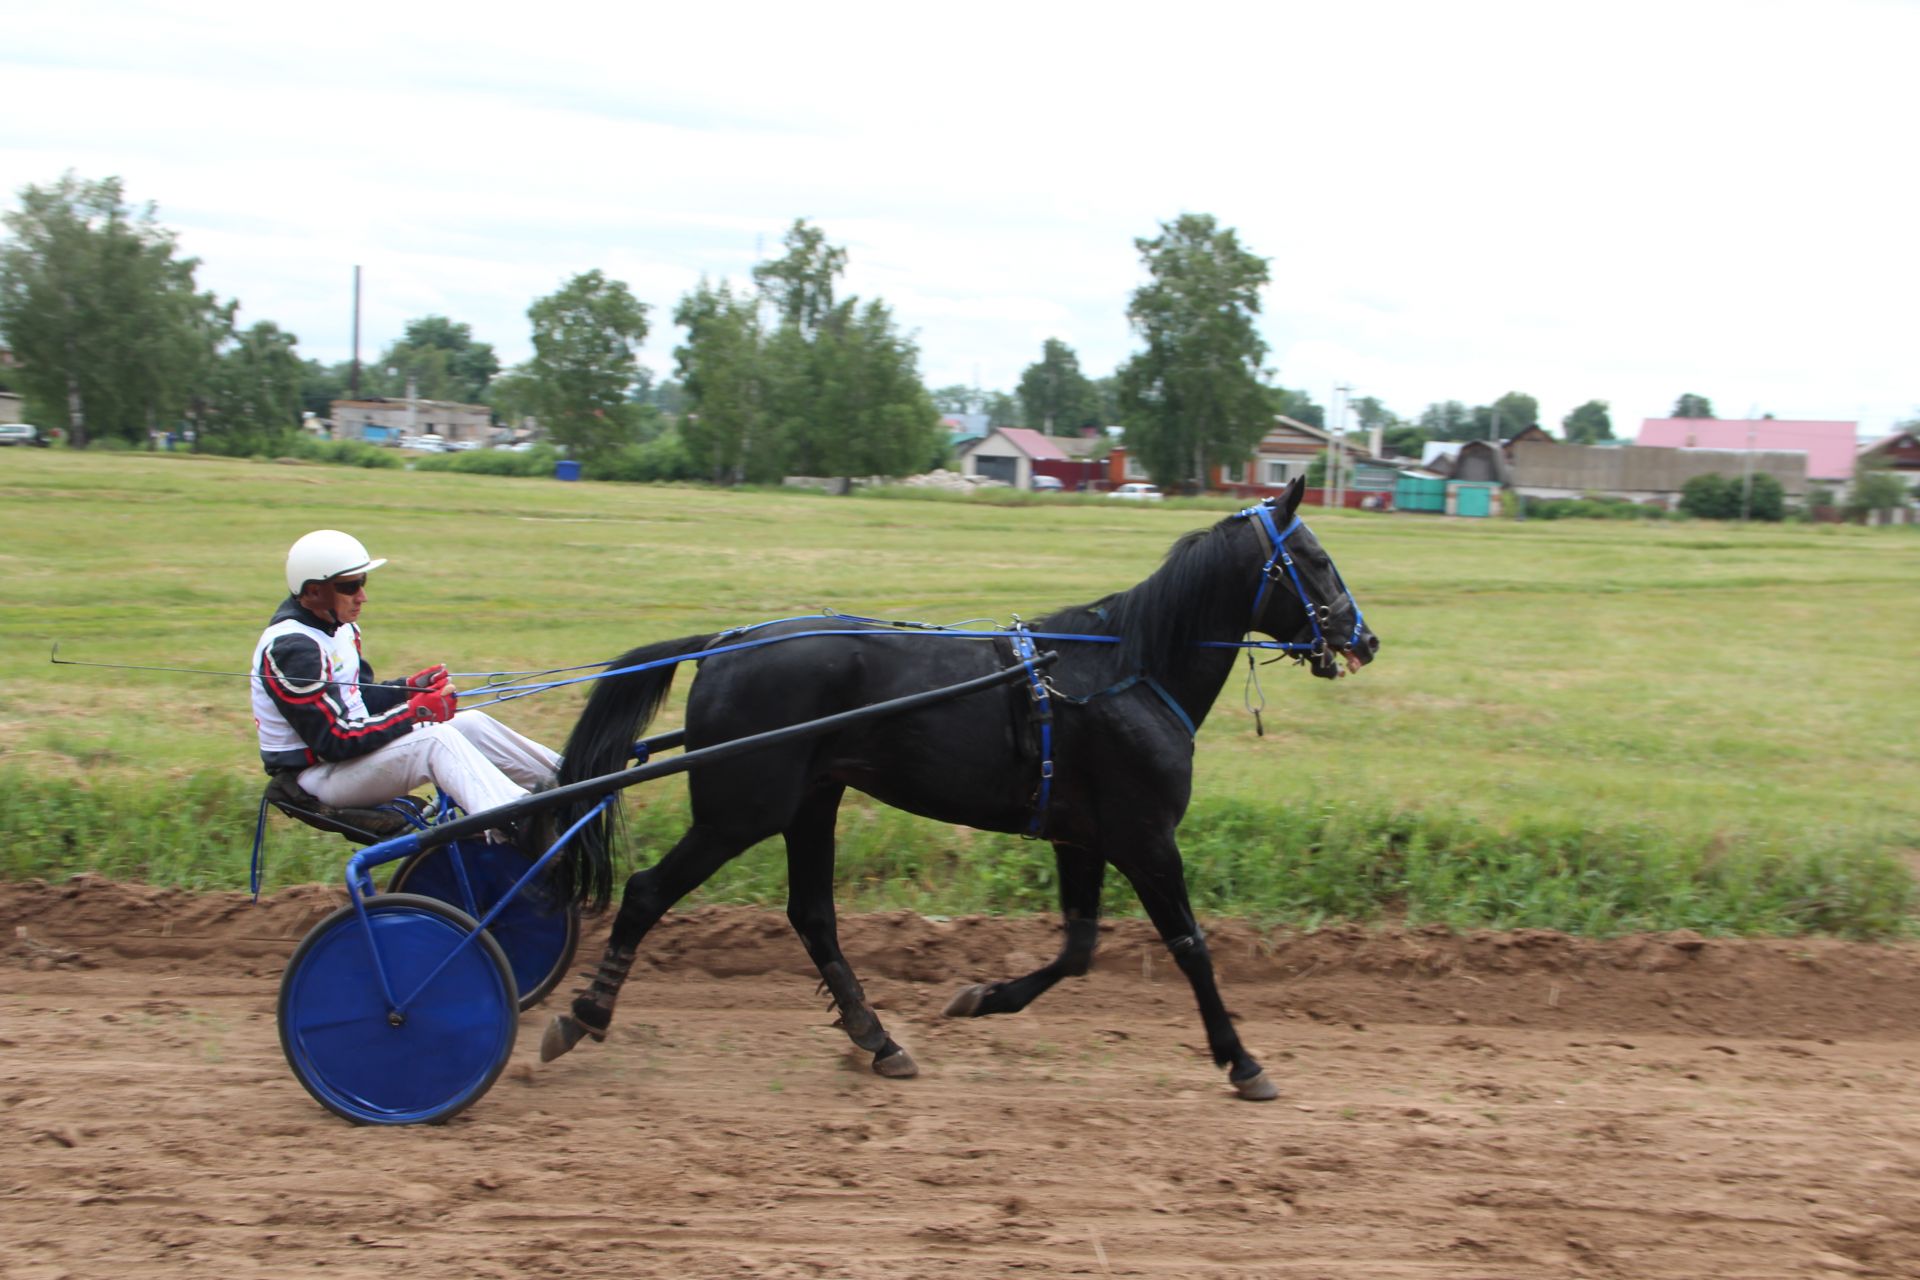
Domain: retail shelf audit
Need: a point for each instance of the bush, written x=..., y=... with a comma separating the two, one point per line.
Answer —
x=1717, y=497
x=664, y=457
x=343, y=453
x=1591, y=507
x=537, y=461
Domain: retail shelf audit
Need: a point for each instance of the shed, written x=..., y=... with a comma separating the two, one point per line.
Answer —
x=1420, y=491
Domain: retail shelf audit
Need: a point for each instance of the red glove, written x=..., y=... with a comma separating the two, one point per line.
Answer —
x=430, y=678
x=432, y=705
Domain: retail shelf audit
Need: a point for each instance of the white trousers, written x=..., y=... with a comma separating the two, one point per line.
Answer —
x=475, y=759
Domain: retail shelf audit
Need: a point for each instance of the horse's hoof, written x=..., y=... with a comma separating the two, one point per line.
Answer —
x=898, y=1065
x=564, y=1032
x=966, y=1002
x=1256, y=1088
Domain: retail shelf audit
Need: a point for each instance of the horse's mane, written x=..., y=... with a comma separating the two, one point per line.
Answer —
x=1202, y=590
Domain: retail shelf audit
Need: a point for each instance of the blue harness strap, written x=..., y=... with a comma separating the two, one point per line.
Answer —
x=1043, y=716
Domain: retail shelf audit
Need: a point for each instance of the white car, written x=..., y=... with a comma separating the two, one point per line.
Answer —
x=20, y=433
x=1138, y=492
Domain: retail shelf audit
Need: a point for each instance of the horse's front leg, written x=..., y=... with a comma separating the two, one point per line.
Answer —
x=810, y=910
x=649, y=894
x=1081, y=874
x=1157, y=877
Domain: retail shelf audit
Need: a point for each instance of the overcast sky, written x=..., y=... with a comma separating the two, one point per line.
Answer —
x=1616, y=201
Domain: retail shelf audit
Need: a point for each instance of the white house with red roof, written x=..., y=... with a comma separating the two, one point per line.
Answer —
x=1830, y=446
x=1014, y=455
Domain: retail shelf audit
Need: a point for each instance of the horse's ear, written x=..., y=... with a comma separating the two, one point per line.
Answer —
x=1295, y=491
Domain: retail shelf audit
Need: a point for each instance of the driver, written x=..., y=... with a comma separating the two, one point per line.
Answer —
x=349, y=742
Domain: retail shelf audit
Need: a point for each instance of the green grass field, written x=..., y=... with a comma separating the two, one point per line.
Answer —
x=1573, y=724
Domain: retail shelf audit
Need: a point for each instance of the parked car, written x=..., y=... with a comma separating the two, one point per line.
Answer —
x=1135, y=491
x=424, y=444
x=21, y=433
x=462, y=446
x=1047, y=484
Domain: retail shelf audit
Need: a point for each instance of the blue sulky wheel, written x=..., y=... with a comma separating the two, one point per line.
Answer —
x=423, y=1064
x=473, y=875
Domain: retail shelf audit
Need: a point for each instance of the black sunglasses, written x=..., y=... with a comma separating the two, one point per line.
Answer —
x=348, y=586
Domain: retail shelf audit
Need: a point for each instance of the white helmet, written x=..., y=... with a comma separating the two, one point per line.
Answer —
x=323, y=554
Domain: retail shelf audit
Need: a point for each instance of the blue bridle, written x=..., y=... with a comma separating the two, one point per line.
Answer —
x=1280, y=567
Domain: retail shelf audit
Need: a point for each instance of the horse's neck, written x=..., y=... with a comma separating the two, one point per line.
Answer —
x=1196, y=682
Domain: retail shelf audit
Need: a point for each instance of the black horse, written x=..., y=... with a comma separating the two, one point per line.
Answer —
x=1122, y=721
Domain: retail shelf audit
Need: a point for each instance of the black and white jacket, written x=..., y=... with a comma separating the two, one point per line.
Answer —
x=314, y=696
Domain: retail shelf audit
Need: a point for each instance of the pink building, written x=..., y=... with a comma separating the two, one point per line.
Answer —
x=1830, y=446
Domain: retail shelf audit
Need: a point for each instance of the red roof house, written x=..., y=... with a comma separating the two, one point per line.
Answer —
x=1829, y=446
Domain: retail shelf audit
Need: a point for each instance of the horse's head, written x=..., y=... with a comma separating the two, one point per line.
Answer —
x=1301, y=600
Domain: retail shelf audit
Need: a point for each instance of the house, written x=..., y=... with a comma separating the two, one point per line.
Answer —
x=1897, y=452
x=1829, y=446
x=1015, y=455
x=1284, y=454
x=381, y=420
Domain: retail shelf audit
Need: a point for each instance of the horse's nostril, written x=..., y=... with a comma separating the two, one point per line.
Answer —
x=1373, y=644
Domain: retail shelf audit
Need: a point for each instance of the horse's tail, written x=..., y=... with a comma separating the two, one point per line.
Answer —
x=617, y=713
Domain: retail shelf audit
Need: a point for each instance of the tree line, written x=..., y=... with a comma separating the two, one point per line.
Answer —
x=115, y=340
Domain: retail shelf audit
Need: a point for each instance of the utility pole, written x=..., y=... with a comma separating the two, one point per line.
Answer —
x=353, y=383
x=1746, y=469
x=1341, y=391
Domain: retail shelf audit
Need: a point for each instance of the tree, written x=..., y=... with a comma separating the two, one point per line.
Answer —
x=1588, y=424
x=874, y=416
x=1506, y=417
x=104, y=316
x=583, y=365
x=957, y=398
x=1055, y=397
x=322, y=384
x=1002, y=409
x=1194, y=398
x=1692, y=406
x=839, y=386
x=722, y=366
x=800, y=283
x=1297, y=405
x=1369, y=412
x=1875, y=488
x=1447, y=420
x=440, y=360
x=1403, y=441
x=252, y=397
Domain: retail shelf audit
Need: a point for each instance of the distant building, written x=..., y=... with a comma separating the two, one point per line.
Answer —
x=1282, y=455
x=1015, y=455
x=1829, y=446
x=1897, y=452
x=383, y=420
x=1553, y=469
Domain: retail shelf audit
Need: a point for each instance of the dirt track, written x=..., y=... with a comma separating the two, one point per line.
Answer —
x=1498, y=1105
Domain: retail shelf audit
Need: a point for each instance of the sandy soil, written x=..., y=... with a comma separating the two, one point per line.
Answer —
x=1513, y=1105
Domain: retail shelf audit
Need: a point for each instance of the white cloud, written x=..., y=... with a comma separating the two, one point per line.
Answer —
x=1623, y=202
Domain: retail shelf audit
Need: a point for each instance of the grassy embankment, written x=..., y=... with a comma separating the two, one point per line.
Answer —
x=1591, y=726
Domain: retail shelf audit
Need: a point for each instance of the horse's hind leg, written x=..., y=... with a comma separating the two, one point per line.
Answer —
x=810, y=910
x=1080, y=875
x=1162, y=887
x=648, y=895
